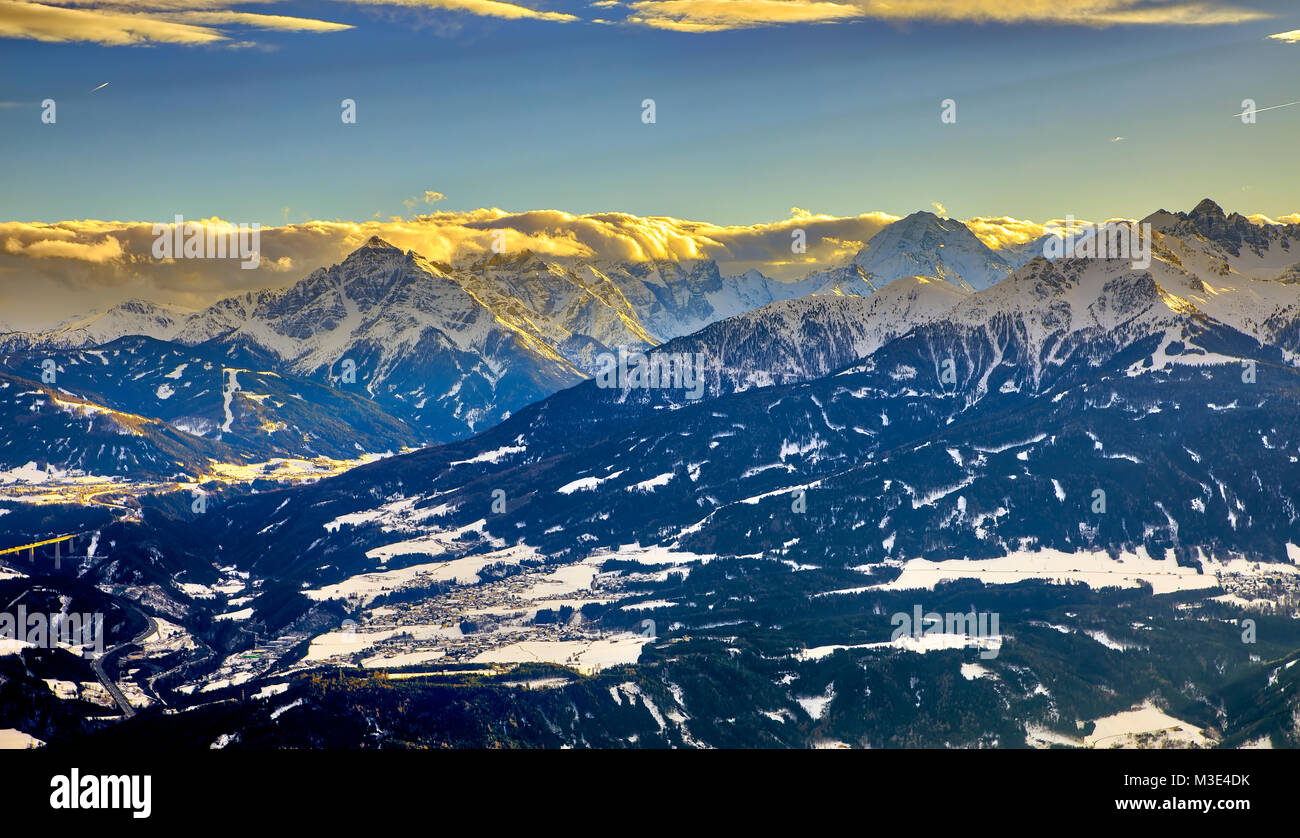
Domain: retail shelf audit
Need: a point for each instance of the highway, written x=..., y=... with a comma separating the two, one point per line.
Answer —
x=109, y=684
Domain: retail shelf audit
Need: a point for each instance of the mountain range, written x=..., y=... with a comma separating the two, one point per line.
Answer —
x=1132, y=432
x=1053, y=377
x=444, y=351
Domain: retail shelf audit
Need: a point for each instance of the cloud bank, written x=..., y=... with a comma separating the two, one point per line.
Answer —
x=46, y=268
x=52, y=272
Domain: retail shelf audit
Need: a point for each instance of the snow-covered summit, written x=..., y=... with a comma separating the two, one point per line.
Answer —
x=922, y=244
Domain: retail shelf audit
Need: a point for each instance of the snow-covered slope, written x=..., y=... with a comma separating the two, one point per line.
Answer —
x=1238, y=272
x=415, y=336
x=132, y=317
x=798, y=340
x=677, y=298
x=147, y=409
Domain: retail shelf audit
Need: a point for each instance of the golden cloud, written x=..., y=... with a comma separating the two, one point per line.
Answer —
x=278, y=22
x=198, y=22
x=483, y=8
x=717, y=15
x=108, y=249
x=55, y=24
x=429, y=197
x=1293, y=218
x=44, y=268
x=1292, y=37
x=1003, y=232
x=121, y=23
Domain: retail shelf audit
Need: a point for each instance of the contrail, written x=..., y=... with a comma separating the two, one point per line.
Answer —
x=102, y=86
x=1270, y=108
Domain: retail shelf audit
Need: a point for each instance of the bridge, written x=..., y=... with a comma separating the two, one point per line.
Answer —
x=58, y=541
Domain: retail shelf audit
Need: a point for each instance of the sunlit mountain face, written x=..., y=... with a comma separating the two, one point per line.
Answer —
x=557, y=375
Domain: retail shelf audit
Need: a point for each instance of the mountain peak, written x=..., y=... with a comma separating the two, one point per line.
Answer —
x=376, y=243
x=919, y=218
x=924, y=244
x=1208, y=207
x=517, y=260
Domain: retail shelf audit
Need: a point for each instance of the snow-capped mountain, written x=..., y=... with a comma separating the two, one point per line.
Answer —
x=406, y=332
x=677, y=298
x=923, y=244
x=847, y=280
x=1017, y=255
x=132, y=317
x=455, y=349
x=1232, y=235
x=797, y=340
x=452, y=350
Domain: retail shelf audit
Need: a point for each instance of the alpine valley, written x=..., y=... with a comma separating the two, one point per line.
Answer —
x=392, y=505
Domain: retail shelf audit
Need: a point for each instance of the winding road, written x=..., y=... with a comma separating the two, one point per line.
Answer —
x=109, y=684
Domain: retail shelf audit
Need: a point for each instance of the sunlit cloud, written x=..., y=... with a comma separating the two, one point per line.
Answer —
x=1292, y=37
x=429, y=197
x=107, y=249
x=482, y=8
x=95, y=264
x=121, y=23
x=56, y=24
x=204, y=22
x=1293, y=218
x=278, y=22
x=1003, y=232
x=718, y=15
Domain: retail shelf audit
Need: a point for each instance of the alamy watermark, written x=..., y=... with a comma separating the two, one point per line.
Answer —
x=652, y=370
x=1112, y=240
x=191, y=240
x=980, y=630
x=74, y=790
x=47, y=631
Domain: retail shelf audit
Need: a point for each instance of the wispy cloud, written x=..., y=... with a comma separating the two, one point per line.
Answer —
x=206, y=22
x=56, y=24
x=429, y=197
x=283, y=23
x=483, y=8
x=717, y=15
x=1292, y=37
x=119, y=23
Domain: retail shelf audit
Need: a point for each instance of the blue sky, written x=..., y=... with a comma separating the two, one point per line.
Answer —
x=839, y=118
